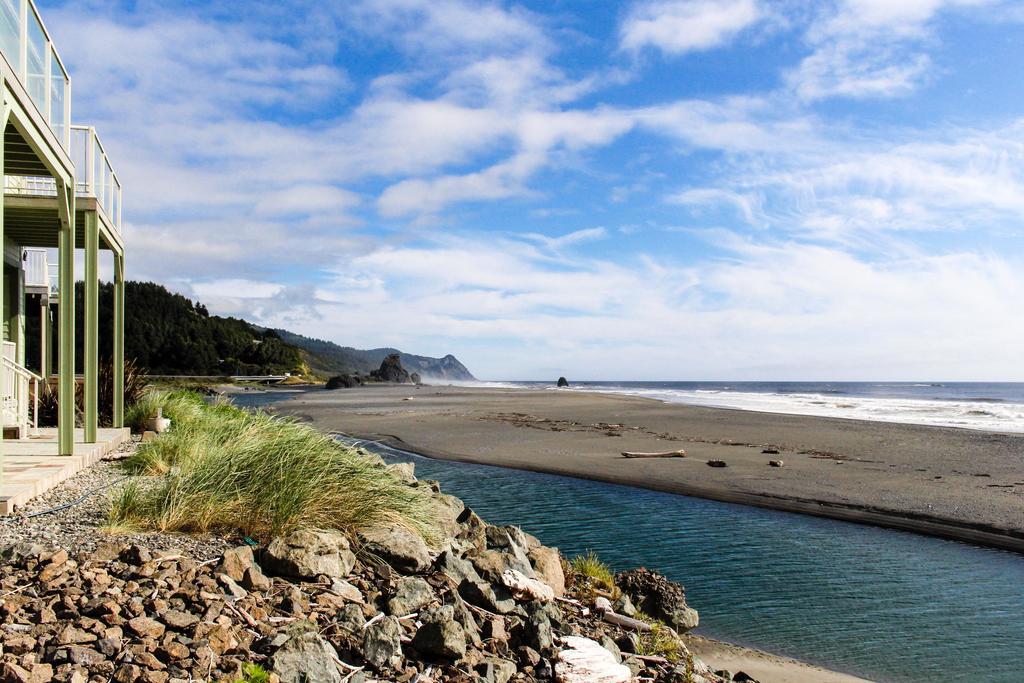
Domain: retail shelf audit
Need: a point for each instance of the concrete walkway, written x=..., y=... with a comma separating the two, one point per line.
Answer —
x=31, y=466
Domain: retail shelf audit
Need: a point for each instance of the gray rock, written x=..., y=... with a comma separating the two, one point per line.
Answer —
x=440, y=635
x=411, y=594
x=398, y=546
x=456, y=568
x=233, y=589
x=547, y=564
x=495, y=670
x=236, y=561
x=404, y=471
x=382, y=644
x=310, y=554
x=624, y=606
x=350, y=618
x=609, y=644
x=484, y=595
x=659, y=597
x=464, y=616
x=491, y=564
x=472, y=530
x=305, y=657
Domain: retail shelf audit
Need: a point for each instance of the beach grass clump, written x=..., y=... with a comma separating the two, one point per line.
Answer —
x=660, y=641
x=591, y=567
x=181, y=407
x=230, y=470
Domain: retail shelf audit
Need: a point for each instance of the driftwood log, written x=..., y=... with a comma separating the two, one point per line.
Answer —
x=663, y=454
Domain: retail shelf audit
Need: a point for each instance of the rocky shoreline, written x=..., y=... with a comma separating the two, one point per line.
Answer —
x=482, y=603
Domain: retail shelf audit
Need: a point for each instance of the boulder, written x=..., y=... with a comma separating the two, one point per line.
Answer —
x=717, y=463
x=310, y=554
x=496, y=670
x=404, y=472
x=525, y=588
x=456, y=568
x=654, y=594
x=403, y=549
x=411, y=594
x=382, y=644
x=305, y=657
x=547, y=565
x=483, y=595
x=584, y=661
x=563, y=382
x=416, y=379
x=343, y=382
x=440, y=635
x=391, y=370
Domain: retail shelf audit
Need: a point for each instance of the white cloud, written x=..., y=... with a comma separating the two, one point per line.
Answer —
x=680, y=26
x=771, y=309
x=871, y=48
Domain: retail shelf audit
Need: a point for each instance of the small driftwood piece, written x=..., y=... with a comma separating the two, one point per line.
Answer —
x=662, y=454
x=626, y=622
x=603, y=606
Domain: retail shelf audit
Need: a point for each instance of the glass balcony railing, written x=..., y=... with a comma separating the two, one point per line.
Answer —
x=30, y=53
x=94, y=176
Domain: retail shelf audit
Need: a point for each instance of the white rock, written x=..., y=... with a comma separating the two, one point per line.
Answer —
x=585, y=661
x=526, y=588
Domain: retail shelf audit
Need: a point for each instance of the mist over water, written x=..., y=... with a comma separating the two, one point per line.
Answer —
x=994, y=406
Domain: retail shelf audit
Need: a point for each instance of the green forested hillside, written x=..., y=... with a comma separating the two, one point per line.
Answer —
x=169, y=334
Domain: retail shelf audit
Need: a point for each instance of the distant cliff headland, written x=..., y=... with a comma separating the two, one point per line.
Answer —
x=169, y=334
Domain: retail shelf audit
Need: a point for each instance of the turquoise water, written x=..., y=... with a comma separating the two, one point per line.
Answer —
x=882, y=604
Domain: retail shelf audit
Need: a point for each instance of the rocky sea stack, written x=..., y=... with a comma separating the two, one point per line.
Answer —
x=479, y=603
x=391, y=370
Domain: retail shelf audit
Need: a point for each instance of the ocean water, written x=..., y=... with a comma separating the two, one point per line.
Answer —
x=883, y=604
x=994, y=406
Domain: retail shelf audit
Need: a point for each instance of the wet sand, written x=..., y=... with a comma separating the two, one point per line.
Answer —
x=955, y=483
x=763, y=666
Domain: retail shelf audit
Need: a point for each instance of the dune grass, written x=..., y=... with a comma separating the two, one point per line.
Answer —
x=591, y=566
x=180, y=406
x=221, y=468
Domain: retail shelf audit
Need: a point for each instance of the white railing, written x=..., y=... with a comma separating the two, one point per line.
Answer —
x=19, y=386
x=94, y=176
x=37, y=270
x=26, y=44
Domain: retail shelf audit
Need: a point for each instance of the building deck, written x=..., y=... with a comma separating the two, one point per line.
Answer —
x=32, y=467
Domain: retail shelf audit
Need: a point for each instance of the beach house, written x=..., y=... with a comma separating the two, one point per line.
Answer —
x=60, y=194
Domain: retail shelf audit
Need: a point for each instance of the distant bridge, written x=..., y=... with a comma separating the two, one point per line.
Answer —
x=265, y=379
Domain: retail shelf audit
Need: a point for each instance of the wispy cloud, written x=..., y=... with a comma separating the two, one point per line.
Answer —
x=871, y=48
x=680, y=26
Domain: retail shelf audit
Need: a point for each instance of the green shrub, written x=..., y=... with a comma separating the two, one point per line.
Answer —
x=254, y=673
x=226, y=469
x=660, y=641
x=591, y=567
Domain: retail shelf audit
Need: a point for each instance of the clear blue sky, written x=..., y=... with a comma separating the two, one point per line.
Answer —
x=666, y=189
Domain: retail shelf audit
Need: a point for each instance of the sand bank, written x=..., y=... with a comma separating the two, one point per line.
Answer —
x=960, y=484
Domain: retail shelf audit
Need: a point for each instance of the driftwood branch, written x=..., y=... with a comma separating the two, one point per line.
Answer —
x=626, y=622
x=662, y=454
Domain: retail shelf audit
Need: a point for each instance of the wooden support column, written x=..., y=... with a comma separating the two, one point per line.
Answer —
x=118, y=346
x=66, y=322
x=92, y=326
x=45, y=339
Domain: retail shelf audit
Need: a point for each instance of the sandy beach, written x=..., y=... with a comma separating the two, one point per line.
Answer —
x=960, y=484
